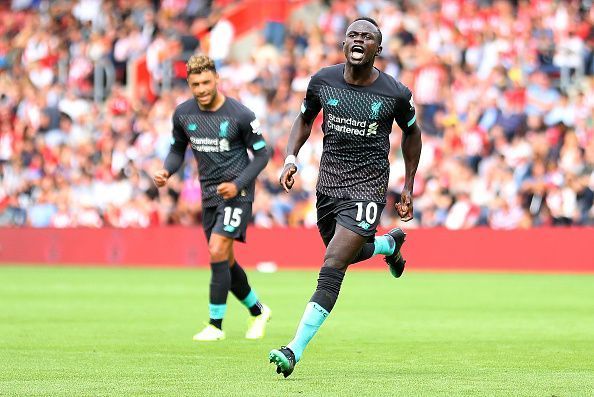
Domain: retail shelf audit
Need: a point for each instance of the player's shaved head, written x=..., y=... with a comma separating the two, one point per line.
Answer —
x=371, y=21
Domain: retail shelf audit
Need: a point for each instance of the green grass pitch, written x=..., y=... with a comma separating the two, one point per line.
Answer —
x=127, y=332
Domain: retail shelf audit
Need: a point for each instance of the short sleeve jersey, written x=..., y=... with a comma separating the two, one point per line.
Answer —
x=357, y=125
x=219, y=142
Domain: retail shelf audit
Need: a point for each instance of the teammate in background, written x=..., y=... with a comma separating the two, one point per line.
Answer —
x=360, y=105
x=219, y=130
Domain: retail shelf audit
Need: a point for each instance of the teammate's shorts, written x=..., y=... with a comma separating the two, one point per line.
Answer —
x=360, y=216
x=229, y=219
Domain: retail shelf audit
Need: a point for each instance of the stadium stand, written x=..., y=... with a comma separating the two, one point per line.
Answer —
x=504, y=92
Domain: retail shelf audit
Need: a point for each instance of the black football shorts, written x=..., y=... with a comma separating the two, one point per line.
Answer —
x=229, y=219
x=360, y=216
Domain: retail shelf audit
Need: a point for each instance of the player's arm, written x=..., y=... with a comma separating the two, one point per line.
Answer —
x=411, y=150
x=254, y=141
x=300, y=131
x=175, y=157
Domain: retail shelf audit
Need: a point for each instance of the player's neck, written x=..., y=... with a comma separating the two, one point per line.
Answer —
x=364, y=75
x=215, y=105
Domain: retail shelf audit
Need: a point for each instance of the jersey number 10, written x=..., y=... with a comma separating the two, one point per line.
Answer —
x=370, y=212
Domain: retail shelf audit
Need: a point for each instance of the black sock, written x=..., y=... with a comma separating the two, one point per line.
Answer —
x=329, y=282
x=365, y=253
x=256, y=309
x=220, y=282
x=241, y=288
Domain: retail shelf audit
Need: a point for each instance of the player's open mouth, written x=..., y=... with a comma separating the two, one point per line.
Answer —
x=357, y=52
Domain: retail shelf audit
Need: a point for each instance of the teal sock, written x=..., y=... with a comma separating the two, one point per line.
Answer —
x=252, y=303
x=384, y=245
x=250, y=300
x=217, y=312
x=312, y=319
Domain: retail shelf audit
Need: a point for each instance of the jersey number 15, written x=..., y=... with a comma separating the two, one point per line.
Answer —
x=232, y=216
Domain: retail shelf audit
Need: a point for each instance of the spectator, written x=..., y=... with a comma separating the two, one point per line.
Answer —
x=504, y=92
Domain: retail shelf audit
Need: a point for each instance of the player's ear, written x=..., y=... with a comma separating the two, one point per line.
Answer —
x=343, y=43
x=379, y=50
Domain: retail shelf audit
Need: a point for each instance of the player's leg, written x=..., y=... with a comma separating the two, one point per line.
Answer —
x=236, y=227
x=219, y=247
x=341, y=251
x=395, y=260
x=220, y=282
x=236, y=217
x=363, y=217
x=241, y=289
x=381, y=245
x=339, y=254
x=361, y=213
x=260, y=313
x=367, y=251
x=388, y=245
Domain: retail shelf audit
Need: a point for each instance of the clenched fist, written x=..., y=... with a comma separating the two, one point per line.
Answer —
x=405, y=206
x=286, y=178
x=160, y=178
x=227, y=190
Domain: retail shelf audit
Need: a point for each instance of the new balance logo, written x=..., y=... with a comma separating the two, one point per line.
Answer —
x=332, y=102
x=320, y=309
x=364, y=225
x=192, y=127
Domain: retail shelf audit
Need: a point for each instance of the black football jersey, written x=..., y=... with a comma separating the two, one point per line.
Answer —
x=219, y=141
x=357, y=124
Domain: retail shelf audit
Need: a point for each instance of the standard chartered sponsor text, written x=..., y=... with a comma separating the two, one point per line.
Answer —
x=205, y=144
x=204, y=141
x=204, y=148
x=347, y=125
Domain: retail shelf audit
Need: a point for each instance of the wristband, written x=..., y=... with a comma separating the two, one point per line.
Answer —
x=290, y=160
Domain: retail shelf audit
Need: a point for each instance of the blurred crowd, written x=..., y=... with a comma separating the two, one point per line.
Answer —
x=504, y=93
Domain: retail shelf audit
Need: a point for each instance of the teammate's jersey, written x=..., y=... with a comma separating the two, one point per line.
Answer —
x=357, y=124
x=219, y=141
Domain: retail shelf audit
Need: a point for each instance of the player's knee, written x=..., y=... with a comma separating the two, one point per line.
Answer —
x=335, y=262
x=218, y=252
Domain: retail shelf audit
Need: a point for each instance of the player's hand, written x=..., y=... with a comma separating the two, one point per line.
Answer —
x=160, y=178
x=405, y=206
x=227, y=190
x=286, y=178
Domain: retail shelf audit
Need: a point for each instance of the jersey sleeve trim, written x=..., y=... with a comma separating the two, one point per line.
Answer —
x=411, y=121
x=259, y=145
